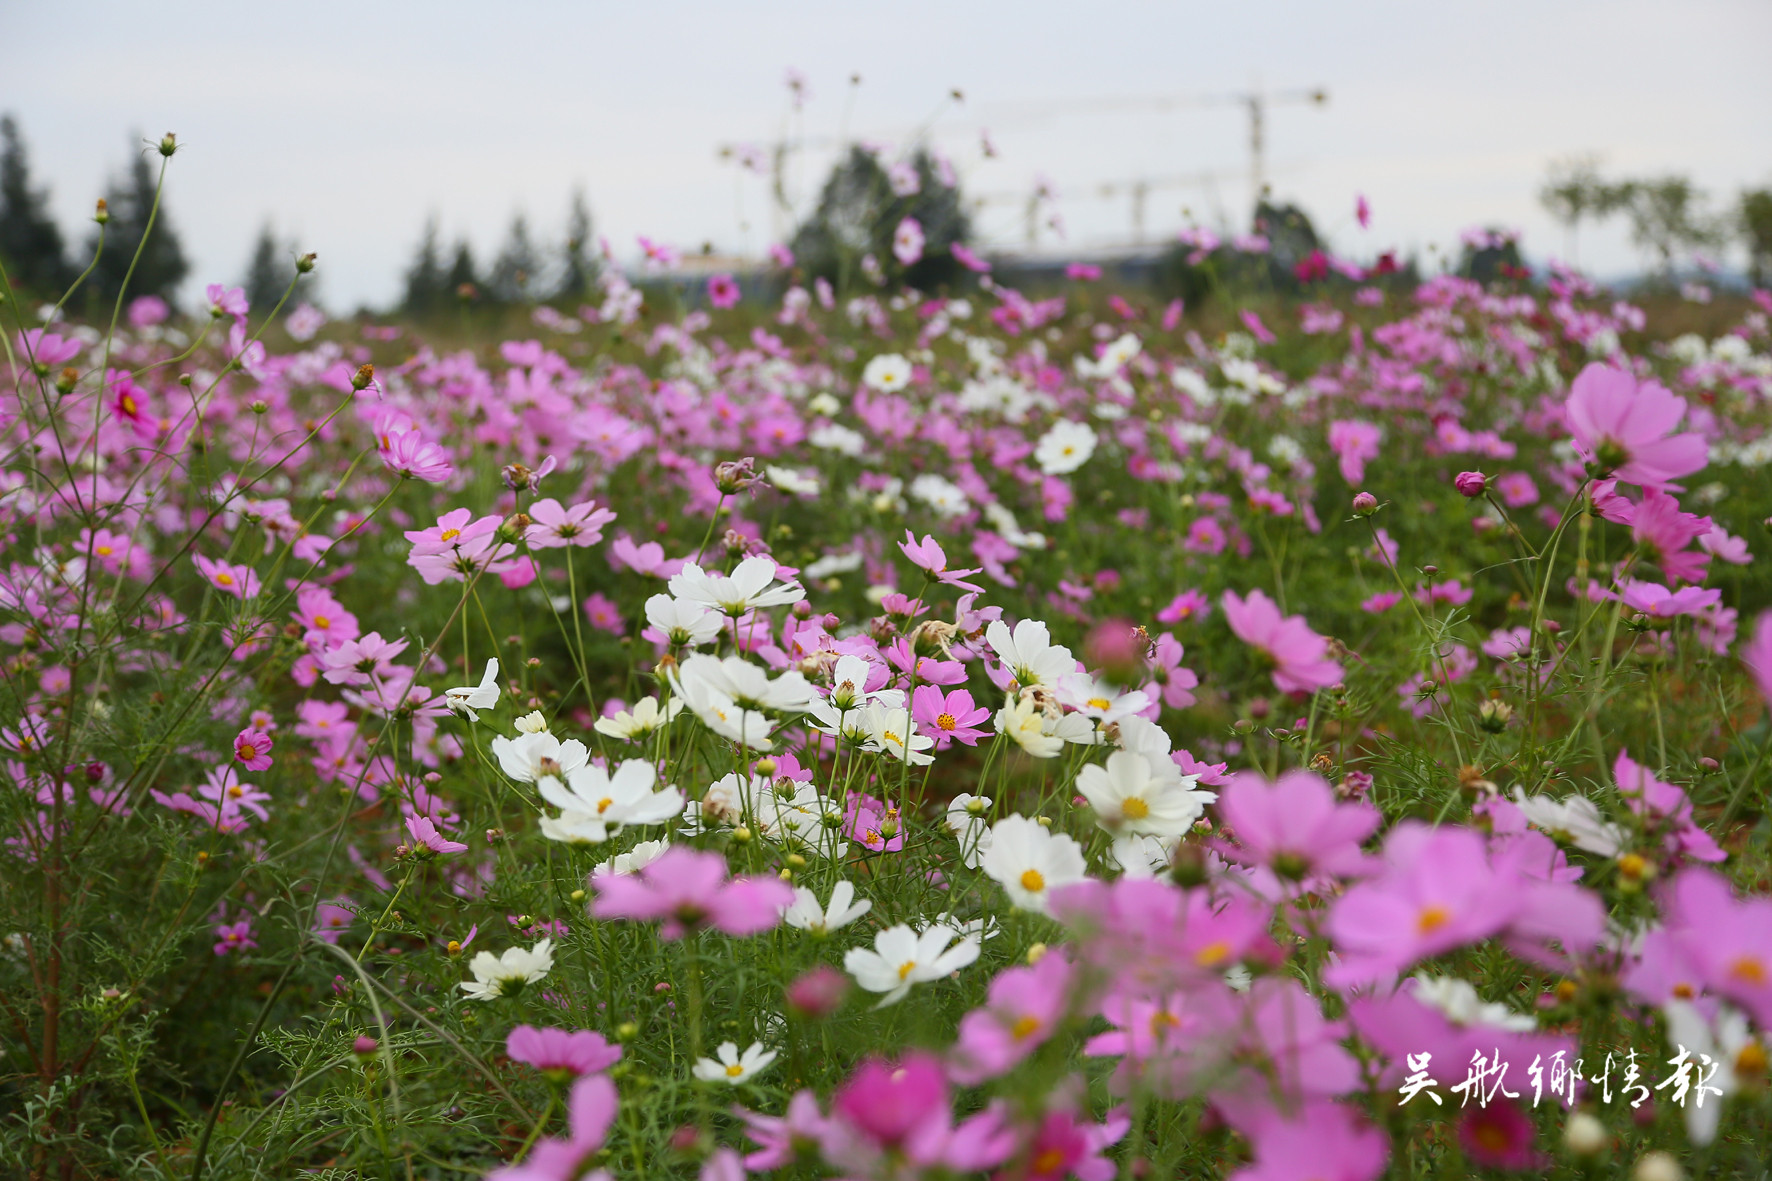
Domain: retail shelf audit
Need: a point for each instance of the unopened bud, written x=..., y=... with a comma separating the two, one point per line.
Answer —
x=1471, y=485
x=305, y=263
x=168, y=144
x=102, y=212
x=1365, y=504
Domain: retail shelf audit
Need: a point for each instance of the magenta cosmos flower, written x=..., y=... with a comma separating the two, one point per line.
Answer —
x=561, y=1054
x=723, y=291
x=590, y=1111
x=425, y=836
x=948, y=718
x=1625, y=429
x=253, y=748
x=687, y=889
x=1322, y=1140
x=1296, y=651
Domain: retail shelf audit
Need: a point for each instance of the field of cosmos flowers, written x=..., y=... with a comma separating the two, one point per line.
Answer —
x=890, y=734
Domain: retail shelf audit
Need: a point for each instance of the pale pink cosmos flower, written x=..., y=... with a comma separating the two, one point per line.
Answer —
x=590, y=1112
x=1354, y=443
x=240, y=581
x=1295, y=827
x=1624, y=428
x=1664, y=806
x=902, y=1109
x=554, y=526
x=782, y=1140
x=1324, y=1141
x=423, y=831
x=1298, y=653
x=687, y=889
x=723, y=291
x=411, y=456
x=1025, y=1007
x=928, y=556
x=1660, y=603
x=907, y=242
x=1757, y=656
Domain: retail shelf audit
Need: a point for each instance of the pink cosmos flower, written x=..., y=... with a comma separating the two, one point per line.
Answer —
x=231, y=937
x=902, y=1108
x=1024, y=1009
x=590, y=1111
x=867, y=819
x=948, y=718
x=1324, y=1141
x=1063, y=1147
x=423, y=831
x=1354, y=443
x=723, y=291
x=331, y=920
x=687, y=889
x=1728, y=940
x=928, y=555
x=1256, y=328
x=1624, y=428
x=1661, y=604
x=969, y=260
x=411, y=456
x=1402, y=1025
x=1189, y=605
x=582, y=524
x=1294, y=826
x=239, y=581
x=561, y=1054
x=907, y=242
x=253, y=748
x=1756, y=655
x=1296, y=651
x=1175, y=683
x=226, y=301
x=1499, y=1135
x=1664, y=806
x=785, y=1139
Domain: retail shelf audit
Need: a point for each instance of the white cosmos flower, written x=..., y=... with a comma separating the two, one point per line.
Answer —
x=1141, y=855
x=901, y=959
x=731, y=1068
x=683, y=622
x=889, y=731
x=805, y=914
x=745, y=589
x=1029, y=861
x=531, y=723
x=728, y=800
x=471, y=699
x=646, y=717
x=1029, y=653
x=845, y=563
x=944, y=496
x=1129, y=796
x=1732, y=1049
x=887, y=373
x=790, y=813
x=537, y=755
x=1457, y=1000
x=1100, y=700
x=794, y=483
x=966, y=820
x=1065, y=447
x=746, y=684
x=834, y=436
x=633, y=861
x=1575, y=819
x=594, y=805
x=507, y=974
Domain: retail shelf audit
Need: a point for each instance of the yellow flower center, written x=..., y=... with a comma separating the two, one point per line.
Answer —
x=1749, y=969
x=1032, y=882
x=1751, y=1060
x=947, y=721
x=603, y=805
x=734, y=1070
x=1133, y=808
x=894, y=739
x=236, y=791
x=225, y=578
x=906, y=968
x=1050, y=1160
x=103, y=551
x=1162, y=1021
x=1432, y=918
x=322, y=622
x=450, y=534
x=1213, y=953
x=1099, y=703
x=1025, y=1026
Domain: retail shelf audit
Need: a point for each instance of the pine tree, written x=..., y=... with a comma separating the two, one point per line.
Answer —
x=464, y=280
x=30, y=242
x=269, y=273
x=578, y=265
x=858, y=213
x=162, y=266
x=427, y=286
x=516, y=269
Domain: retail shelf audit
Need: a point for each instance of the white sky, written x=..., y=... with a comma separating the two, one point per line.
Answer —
x=345, y=124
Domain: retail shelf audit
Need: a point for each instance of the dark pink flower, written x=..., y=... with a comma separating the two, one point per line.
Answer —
x=686, y=889
x=252, y=748
x=948, y=718
x=561, y=1054
x=723, y=291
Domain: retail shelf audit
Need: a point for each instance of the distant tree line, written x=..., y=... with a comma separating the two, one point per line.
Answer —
x=1668, y=215
x=522, y=271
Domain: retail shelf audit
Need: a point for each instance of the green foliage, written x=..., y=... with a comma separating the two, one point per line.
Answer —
x=858, y=212
x=31, y=245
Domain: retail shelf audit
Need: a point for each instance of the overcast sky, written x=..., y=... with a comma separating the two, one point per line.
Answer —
x=345, y=124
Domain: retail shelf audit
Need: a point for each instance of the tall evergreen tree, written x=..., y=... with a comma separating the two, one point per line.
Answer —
x=162, y=266
x=859, y=212
x=463, y=280
x=1754, y=220
x=428, y=287
x=516, y=270
x=269, y=272
x=30, y=242
x=578, y=265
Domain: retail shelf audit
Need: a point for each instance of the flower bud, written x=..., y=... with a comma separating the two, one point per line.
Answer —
x=817, y=993
x=364, y=1046
x=102, y=213
x=305, y=264
x=1471, y=485
x=168, y=144
x=1365, y=504
x=735, y=475
x=361, y=379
